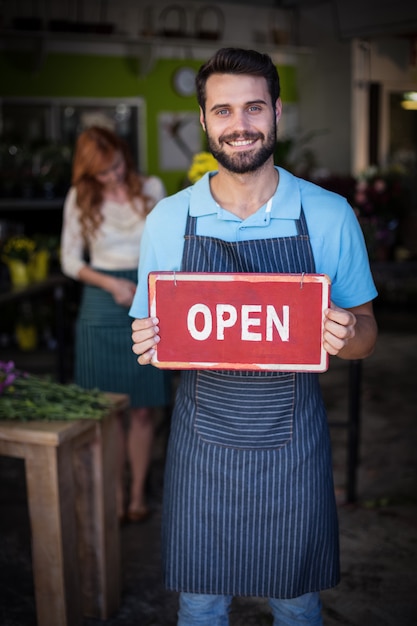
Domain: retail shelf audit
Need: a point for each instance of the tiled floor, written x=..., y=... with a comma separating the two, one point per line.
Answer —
x=378, y=533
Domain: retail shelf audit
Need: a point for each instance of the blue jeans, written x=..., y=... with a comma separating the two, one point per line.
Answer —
x=212, y=610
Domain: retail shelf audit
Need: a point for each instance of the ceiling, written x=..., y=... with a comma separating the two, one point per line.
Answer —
x=284, y=4
x=356, y=18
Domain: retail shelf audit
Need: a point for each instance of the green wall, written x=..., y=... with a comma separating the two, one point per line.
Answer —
x=96, y=76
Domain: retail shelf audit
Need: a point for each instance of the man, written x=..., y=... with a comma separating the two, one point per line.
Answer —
x=256, y=520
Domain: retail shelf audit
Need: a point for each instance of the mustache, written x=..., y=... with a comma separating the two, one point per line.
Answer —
x=236, y=136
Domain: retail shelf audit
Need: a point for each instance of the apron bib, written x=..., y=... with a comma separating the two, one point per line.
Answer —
x=249, y=505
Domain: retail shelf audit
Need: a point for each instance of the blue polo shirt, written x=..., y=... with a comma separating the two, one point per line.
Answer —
x=335, y=234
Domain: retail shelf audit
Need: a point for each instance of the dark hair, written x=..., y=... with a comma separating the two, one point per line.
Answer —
x=238, y=61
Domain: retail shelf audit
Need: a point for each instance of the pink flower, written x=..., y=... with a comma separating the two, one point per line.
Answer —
x=361, y=185
x=380, y=185
x=7, y=375
x=360, y=196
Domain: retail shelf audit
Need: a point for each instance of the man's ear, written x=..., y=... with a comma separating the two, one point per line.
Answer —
x=278, y=109
x=202, y=121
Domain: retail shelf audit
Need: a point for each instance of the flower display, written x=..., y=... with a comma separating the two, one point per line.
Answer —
x=7, y=375
x=380, y=202
x=26, y=397
x=18, y=247
x=202, y=163
x=28, y=259
x=380, y=199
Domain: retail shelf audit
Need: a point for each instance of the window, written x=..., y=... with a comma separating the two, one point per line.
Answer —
x=38, y=137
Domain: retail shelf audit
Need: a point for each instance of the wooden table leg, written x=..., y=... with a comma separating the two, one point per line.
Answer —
x=106, y=467
x=51, y=497
x=71, y=474
x=98, y=527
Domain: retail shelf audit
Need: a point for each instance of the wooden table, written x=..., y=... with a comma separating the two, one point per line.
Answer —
x=71, y=472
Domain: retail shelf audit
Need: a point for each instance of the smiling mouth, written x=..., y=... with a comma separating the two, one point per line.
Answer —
x=241, y=142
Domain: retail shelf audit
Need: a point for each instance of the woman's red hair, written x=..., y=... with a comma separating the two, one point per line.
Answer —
x=95, y=151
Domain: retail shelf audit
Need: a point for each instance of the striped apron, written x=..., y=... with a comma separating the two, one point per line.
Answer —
x=103, y=350
x=249, y=506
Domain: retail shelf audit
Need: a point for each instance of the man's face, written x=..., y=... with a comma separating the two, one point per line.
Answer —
x=240, y=121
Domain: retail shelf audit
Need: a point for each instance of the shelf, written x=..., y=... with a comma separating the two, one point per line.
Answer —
x=151, y=40
x=31, y=204
x=146, y=47
x=51, y=283
x=57, y=285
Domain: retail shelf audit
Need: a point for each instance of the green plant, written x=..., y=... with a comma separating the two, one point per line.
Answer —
x=49, y=243
x=296, y=155
x=18, y=247
x=27, y=397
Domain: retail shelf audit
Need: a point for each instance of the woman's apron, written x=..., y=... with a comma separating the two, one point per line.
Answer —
x=103, y=349
x=249, y=506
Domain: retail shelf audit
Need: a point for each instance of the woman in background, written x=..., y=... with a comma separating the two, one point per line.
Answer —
x=104, y=216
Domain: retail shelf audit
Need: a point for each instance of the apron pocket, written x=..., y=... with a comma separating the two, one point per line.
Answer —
x=265, y=420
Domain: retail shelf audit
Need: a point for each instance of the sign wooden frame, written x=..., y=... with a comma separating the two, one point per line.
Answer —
x=239, y=321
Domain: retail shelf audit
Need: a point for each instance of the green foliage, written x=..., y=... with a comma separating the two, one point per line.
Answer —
x=26, y=397
x=296, y=155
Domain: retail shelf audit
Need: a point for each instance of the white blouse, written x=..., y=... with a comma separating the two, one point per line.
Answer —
x=116, y=245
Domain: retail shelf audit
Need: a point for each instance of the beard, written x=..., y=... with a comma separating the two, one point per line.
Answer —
x=245, y=161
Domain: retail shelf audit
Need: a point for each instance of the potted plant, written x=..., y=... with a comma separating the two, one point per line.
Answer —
x=16, y=254
x=45, y=248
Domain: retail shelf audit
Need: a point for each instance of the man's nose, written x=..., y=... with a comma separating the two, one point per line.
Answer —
x=240, y=121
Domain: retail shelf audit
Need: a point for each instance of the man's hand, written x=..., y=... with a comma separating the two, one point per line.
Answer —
x=145, y=338
x=350, y=333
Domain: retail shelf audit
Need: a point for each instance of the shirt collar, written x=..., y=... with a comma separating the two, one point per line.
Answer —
x=286, y=203
x=201, y=200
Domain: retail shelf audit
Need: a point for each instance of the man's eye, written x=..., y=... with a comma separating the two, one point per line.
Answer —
x=222, y=112
x=255, y=108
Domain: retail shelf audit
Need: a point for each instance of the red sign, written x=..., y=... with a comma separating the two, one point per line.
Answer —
x=239, y=321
